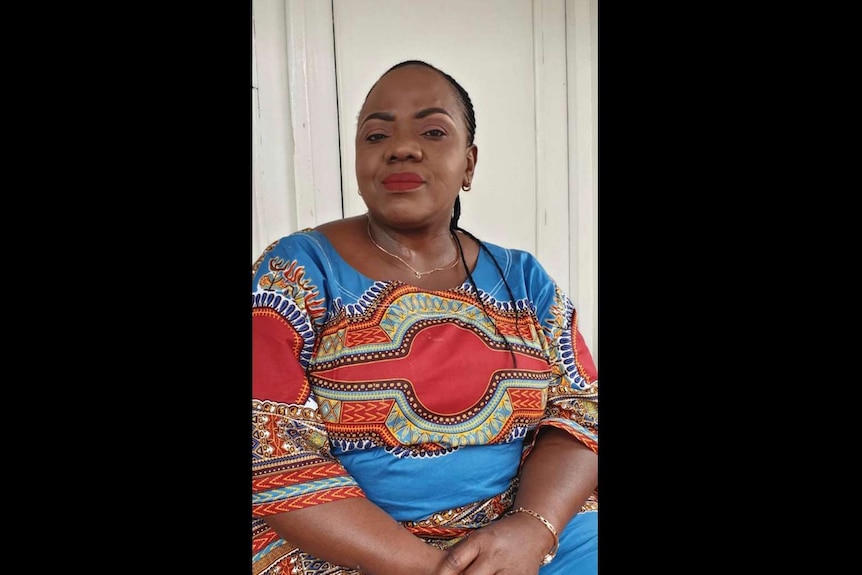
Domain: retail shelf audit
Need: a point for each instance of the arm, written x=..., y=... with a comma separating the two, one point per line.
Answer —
x=301, y=493
x=356, y=533
x=305, y=497
x=559, y=471
x=556, y=480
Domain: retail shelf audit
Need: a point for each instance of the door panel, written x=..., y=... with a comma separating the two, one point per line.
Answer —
x=530, y=67
x=488, y=48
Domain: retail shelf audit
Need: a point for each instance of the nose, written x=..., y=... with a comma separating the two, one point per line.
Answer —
x=404, y=147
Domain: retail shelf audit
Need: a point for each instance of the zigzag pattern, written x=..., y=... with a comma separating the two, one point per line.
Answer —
x=308, y=500
x=394, y=422
x=402, y=314
x=263, y=540
x=437, y=532
x=506, y=326
x=396, y=310
x=369, y=335
x=313, y=473
x=527, y=399
x=374, y=388
x=297, y=490
x=365, y=411
x=480, y=429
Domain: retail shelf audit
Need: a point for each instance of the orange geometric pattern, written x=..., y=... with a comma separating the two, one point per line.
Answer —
x=372, y=383
x=372, y=334
x=301, y=475
x=307, y=500
x=528, y=400
x=360, y=412
x=260, y=542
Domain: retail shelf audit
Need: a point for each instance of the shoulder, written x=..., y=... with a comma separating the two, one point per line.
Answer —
x=305, y=239
x=516, y=261
x=348, y=239
x=306, y=247
x=345, y=228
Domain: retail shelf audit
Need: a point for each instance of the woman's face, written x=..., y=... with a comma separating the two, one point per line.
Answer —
x=411, y=148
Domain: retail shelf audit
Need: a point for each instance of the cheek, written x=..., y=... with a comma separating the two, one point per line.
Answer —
x=364, y=165
x=455, y=169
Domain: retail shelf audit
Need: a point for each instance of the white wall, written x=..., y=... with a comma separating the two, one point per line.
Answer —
x=530, y=67
x=295, y=173
x=273, y=208
x=583, y=104
x=488, y=48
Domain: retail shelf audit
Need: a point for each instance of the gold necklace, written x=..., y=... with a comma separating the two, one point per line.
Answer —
x=416, y=273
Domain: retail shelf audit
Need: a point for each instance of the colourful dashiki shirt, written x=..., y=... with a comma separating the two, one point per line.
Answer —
x=409, y=397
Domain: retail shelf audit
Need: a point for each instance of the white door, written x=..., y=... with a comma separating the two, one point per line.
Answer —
x=488, y=47
x=530, y=69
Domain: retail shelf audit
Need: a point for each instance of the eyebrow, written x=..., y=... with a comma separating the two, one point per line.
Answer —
x=388, y=117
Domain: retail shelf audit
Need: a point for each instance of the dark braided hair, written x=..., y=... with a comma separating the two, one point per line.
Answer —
x=470, y=121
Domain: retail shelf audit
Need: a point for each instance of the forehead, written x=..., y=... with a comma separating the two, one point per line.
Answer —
x=412, y=87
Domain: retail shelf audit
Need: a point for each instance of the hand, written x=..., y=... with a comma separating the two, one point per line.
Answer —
x=513, y=545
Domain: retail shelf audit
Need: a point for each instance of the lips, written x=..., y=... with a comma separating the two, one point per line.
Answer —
x=402, y=181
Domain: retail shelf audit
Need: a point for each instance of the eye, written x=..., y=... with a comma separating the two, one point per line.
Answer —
x=374, y=137
x=434, y=133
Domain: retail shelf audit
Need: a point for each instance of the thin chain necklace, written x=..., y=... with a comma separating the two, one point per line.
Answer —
x=416, y=273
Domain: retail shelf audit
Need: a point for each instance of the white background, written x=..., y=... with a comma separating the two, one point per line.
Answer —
x=530, y=67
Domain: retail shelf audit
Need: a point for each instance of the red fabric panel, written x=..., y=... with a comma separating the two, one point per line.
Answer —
x=584, y=359
x=276, y=372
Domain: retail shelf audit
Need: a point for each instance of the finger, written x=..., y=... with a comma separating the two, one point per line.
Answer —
x=459, y=558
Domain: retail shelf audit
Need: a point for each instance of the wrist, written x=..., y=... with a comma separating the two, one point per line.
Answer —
x=549, y=556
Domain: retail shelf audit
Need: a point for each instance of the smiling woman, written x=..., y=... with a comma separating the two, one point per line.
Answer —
x=531, y=70
x=409, y=121
x=423, y=401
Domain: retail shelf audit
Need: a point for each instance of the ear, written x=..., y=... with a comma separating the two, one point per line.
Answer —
x=472, y=158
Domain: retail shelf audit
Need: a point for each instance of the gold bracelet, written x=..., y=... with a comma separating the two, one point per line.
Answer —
x=550, y=556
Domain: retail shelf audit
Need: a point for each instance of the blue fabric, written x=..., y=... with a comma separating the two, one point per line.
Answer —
x=411, y=397
x=579, y=547
x=410, y=489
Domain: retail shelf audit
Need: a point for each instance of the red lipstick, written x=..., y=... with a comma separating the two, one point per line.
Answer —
x=402, y=181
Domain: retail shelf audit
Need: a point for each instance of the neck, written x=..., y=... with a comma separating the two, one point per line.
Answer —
x=425, y=241
x=422, y=257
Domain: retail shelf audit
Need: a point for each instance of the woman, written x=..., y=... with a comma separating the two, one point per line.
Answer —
x=423, y=402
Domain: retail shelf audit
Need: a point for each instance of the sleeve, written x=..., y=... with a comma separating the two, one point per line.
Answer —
x=573, y=390
x=292, y=466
